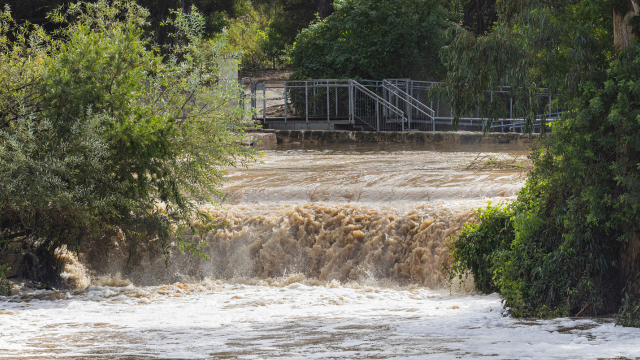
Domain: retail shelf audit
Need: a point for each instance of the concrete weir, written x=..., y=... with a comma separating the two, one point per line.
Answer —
x=362, y=137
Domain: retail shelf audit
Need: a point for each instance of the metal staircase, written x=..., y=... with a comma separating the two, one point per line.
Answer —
x=418, y=115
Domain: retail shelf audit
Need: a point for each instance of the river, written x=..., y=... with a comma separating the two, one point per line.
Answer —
x=323, y=252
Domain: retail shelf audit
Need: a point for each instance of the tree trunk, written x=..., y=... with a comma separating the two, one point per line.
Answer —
x=325, y=8
x=186, y=6
x=623, y=32
x=480, y=15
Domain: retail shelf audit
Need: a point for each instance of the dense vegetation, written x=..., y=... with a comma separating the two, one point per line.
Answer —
x=374, y=39
x=568, y=245
x=104, y=132
x=262, y=31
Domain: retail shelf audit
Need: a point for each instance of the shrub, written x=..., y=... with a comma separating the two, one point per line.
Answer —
x=247, y=36
x=629, y=313
x=5, y=286
x=479, y=244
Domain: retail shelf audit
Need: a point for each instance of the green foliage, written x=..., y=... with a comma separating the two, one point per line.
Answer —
x=556, y=45
x=629, y=313
x=5, y=286
x=216, y=13
x=580, y=207
x=573, y=220
x=99, y=133
x=477, y=246
x=247, y=36
x=287, y=18
x=373, y=39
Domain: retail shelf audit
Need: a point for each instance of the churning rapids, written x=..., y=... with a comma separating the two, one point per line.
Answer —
x=325, y=252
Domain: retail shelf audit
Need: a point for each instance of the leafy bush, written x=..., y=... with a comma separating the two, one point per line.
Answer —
x=479, y=244
x=373, y=39
x=629, y=313
x=99, y=133
x=5, y=286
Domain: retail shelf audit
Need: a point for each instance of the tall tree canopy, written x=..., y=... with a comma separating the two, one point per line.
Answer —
x=215, y=12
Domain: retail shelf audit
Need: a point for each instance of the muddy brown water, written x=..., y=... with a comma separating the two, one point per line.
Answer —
x=330, y=250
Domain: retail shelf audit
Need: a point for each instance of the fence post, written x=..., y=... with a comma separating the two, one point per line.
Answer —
x=336, y=99
x=351, y=104
x=285, y=102
x=306, y=101
x=433, y=118
x=253, y=95
x=408, y=106
x=328, y=107
x=264, y=103
x=377, y=114
x=491, y=92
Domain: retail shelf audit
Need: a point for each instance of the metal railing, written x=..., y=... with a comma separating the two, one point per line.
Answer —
x=374, y=111
x=332, y=101
x=419, y=116
x=379, y=105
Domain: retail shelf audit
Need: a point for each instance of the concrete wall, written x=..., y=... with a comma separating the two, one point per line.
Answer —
x=341, y=136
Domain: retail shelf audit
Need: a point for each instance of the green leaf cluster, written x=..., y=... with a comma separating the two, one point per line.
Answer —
x=5, y=286
x=103, y=131
x=374, y=39
x=478, y=245
x=629, y=314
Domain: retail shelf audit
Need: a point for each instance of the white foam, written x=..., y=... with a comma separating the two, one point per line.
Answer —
x=215, y=318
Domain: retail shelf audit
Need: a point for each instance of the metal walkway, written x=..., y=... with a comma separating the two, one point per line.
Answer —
x=372, y=105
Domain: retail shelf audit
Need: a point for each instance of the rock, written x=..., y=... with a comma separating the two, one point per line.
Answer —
x=263, y=140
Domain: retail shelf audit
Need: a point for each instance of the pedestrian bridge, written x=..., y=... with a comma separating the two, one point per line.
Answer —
x=373, y=105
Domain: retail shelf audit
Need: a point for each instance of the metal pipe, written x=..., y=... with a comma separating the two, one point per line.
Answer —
x=306, y=101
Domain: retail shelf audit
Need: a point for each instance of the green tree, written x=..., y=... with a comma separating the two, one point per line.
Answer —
x=574, y=227
x=99, y=133
x=374, y=39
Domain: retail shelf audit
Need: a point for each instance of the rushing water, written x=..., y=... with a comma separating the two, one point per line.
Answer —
x=325, y=252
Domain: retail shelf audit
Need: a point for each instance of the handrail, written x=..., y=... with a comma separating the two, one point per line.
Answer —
x=412, y=99
x=383, y=104
x=378, y=98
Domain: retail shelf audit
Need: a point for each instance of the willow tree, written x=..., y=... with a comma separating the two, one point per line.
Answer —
x=569, y=244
